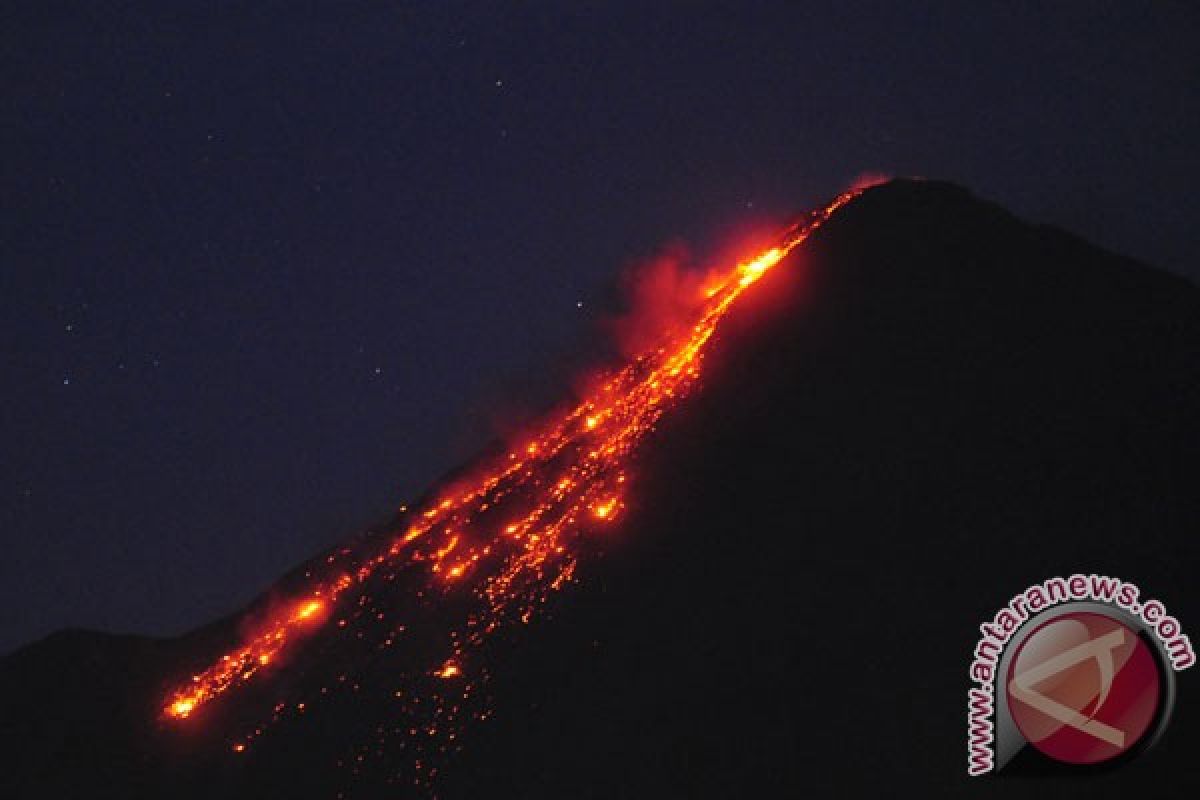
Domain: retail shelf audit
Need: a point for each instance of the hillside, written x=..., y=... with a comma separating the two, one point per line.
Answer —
x=927, y=407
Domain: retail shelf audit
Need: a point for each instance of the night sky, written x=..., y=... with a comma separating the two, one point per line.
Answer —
x=267, y=270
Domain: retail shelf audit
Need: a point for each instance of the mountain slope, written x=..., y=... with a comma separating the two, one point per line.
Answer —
x=926, y=408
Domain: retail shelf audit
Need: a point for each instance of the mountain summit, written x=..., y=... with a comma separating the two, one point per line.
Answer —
x=927, y=406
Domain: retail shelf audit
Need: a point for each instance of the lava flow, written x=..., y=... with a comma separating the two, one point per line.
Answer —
x=507, y=536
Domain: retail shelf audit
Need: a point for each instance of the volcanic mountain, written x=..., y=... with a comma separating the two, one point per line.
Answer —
x=926, y=406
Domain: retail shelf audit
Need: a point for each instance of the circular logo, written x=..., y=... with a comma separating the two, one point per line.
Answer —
x=1084, y=688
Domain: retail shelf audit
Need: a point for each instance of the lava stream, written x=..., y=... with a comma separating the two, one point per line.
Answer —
x=505, y=533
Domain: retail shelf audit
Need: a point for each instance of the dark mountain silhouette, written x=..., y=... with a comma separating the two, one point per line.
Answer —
x=928, y=407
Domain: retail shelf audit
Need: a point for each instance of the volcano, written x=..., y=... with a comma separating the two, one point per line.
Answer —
x=925, y=406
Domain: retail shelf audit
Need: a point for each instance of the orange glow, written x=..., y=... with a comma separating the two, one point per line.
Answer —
x=604, y=510
x=444, y=551
x=753, y=270
x=183, y=707
x=513, y=523
x=307, y=610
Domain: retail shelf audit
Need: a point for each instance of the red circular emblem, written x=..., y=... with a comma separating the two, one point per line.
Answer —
x=1083, y=688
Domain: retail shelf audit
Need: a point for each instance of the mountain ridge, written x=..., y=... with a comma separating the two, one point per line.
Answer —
x=930, y=372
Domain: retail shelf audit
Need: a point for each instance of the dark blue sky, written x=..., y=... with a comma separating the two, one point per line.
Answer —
x=266, y=270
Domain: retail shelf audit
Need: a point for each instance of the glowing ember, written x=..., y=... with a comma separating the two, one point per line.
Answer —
x=508, y=535
x=604, y=510
x=182, y=707
x=308, y=609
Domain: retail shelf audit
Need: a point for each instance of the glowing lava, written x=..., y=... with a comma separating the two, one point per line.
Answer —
x=508, y=535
